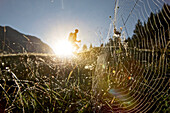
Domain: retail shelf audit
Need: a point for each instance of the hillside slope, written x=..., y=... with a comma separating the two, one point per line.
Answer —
x=12, y=41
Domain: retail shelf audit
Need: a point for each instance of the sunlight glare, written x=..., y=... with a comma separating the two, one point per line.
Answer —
x=64, y=48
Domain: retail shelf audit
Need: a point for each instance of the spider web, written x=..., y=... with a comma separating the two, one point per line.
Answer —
x=136, y=78
x=132, y=75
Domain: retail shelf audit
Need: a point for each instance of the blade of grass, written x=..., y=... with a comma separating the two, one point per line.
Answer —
x=8, y=97
x=84, y=107
x=70, y=75
x=27, y=90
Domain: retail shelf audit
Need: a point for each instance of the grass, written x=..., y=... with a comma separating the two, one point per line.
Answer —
x=44, y=84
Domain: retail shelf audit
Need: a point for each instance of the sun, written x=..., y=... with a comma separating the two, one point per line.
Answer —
x=64, y=48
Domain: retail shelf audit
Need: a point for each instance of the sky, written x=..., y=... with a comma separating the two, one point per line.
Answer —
x=53, y=20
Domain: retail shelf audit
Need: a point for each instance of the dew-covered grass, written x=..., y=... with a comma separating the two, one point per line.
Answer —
x=30, y=83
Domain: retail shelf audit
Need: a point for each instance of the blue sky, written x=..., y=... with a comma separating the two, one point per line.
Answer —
x=52, y=20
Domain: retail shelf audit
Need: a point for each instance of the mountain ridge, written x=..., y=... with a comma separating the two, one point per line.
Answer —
x=12, y=41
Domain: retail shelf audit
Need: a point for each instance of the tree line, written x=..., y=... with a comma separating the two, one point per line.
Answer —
x=154, y=33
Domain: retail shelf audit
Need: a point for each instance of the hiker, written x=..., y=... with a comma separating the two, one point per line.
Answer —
x=73, y=39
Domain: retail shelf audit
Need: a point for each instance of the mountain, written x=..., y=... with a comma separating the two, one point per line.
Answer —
x=12, y=41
